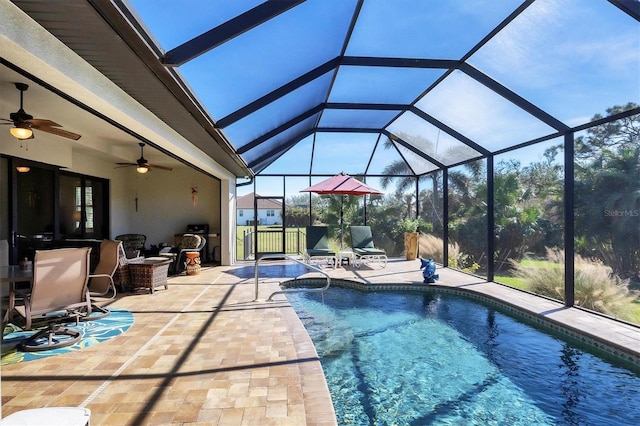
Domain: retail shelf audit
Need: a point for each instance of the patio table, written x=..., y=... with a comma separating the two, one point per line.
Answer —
x=149, y=273
x=346, y=254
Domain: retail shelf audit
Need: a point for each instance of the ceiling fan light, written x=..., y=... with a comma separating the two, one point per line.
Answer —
x=142, y=169
x=23, y=169
x=21, y=132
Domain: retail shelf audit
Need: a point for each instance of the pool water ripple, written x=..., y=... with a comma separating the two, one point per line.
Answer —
x=422, y=359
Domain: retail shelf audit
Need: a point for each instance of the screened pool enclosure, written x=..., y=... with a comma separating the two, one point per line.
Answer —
x=508, y=129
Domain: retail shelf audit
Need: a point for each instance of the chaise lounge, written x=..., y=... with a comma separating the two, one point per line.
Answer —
x=363, y=248
x=317, y=246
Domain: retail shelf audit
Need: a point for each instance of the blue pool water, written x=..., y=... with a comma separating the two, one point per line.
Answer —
x=437, y=359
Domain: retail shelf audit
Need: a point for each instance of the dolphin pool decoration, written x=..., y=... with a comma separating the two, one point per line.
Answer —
x=429, y=272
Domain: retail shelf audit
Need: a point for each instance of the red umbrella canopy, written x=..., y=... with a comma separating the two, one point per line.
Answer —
x=341, y=184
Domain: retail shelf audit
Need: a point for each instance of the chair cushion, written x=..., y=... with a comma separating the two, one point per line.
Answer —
x=368, y=251
x=132, y=253
x=132, y=241
x=320, y=252
x=361, y=237
x=317, y=238
x=189, y=242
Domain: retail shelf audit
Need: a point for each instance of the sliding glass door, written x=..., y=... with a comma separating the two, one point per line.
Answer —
x=41, y=206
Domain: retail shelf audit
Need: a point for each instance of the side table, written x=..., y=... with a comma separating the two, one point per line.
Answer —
x=346, y=255
x=150, y=273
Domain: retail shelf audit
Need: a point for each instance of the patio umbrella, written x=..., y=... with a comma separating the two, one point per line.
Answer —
x=341, y=184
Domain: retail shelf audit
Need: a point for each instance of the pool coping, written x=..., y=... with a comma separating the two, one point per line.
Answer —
x=547, y=313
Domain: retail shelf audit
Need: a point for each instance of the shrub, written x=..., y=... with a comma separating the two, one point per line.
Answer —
x=596, y=287
x=395, y=247
x=431, y=246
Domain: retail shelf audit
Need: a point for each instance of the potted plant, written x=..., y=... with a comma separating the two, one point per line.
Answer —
x=410, y=228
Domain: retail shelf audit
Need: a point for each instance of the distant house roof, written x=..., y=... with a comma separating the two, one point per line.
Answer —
x=246, y=202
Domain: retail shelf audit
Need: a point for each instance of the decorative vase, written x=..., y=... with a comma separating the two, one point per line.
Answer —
x=411, y=245
x=192, y=264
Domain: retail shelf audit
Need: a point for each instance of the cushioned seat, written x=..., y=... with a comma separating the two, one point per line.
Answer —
x=133, y=244
x=317, y=246
x=60, y=279
x=188, y=242
x=363, y=248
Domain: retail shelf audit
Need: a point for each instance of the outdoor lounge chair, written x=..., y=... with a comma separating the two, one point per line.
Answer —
x=317, y=246
x=363, y=248
x=59, y=293
x=101, y=281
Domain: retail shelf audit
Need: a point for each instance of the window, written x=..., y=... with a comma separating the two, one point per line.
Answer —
x=271, y=213
x=88, y=197
x=240, y=212
x=83, y=206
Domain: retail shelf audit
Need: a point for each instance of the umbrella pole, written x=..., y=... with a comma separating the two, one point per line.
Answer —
x=341, y=220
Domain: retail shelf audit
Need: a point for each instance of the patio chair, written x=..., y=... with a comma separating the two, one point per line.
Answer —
x=101, y=281
x=363, y=248
x=68, y=416
x=317, y=246
x=59, y=293
x=133, y=244
x=188, y=242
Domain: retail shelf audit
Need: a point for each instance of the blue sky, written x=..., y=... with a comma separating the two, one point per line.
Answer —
x=572, y=58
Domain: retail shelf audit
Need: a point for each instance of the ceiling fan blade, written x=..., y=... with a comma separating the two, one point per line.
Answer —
x=155, y=166
x=58, y=132
x=42, y=122
x=126, y=164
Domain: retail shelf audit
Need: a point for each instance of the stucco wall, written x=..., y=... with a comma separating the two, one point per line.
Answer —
x=164, y=198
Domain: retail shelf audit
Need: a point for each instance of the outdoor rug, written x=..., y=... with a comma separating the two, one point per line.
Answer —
x=94, y=331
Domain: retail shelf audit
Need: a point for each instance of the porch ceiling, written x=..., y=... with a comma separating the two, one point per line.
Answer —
x=103, y=37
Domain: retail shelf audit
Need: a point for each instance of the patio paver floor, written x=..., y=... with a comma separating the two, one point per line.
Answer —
x=203, y=352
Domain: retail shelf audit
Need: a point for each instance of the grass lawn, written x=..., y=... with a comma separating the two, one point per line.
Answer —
x=540, y=263
x=264, y=240
x=636, y=311
x=510, y=281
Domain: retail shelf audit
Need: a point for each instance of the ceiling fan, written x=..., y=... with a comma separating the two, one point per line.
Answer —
x=141, y=164
x=23, y=123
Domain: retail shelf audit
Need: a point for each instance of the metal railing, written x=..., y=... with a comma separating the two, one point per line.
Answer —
x=270, y=241
x=294, y=290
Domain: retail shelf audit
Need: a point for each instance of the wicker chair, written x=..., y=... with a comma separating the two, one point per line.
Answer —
x=133, y=244
x=188, y=242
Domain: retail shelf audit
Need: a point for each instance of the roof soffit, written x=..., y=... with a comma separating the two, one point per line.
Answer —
x=102, y=35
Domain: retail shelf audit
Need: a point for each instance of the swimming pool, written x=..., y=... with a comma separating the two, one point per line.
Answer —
x=423, y=358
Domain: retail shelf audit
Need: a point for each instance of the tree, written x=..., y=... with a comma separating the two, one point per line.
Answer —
x=400, y=173
x=607, y=193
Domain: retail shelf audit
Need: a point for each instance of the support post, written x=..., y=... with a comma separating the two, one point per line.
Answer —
x=445, y=217
x=491, y=220
x=569, y=221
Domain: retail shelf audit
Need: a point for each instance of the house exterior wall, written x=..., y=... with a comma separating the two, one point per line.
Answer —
x=164, y=198
x=265, y=216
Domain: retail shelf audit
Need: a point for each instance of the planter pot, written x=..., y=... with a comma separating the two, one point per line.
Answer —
x=411, y=245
